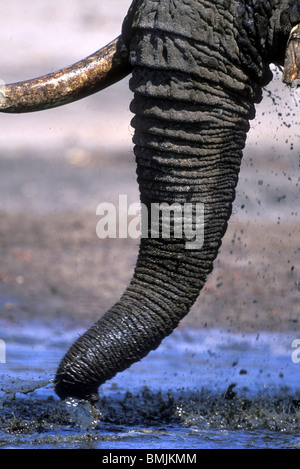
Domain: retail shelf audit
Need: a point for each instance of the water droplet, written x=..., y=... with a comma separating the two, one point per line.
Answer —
x=85, y=415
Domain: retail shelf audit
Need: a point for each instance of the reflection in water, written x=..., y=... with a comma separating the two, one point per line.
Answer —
x=200, y=389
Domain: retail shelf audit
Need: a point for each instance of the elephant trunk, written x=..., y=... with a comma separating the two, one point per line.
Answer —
x=192, y=107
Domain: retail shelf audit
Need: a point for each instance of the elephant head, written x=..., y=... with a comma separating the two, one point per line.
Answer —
x=198, y=69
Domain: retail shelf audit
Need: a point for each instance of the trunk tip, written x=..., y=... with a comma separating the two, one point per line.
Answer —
x=65, y=391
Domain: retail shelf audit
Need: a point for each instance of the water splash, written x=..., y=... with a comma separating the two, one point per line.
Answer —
x=22, y=386
x=85, y=415
x=200, y=389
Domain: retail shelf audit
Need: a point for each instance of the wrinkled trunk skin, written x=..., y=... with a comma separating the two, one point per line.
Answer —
x=195, y=78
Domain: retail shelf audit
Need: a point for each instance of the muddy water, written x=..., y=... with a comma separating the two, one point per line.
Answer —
x=200, y=389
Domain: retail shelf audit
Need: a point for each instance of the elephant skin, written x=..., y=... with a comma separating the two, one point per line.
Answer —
x=198, y=69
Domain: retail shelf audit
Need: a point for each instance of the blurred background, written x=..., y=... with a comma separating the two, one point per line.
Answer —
x=56, y=166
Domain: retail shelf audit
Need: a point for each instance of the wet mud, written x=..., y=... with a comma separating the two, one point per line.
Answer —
x=200, y=389
x=198, y=418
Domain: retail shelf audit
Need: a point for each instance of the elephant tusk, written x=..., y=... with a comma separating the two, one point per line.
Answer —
x=90, y=75
x=291, y=71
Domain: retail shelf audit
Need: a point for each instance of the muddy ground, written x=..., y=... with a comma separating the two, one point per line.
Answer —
x=53, y=265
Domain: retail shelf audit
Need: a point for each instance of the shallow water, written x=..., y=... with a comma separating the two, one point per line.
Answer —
x=182, y=394
x=200, y=389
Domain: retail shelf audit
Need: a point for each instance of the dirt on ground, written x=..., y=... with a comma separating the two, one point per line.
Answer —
x=54, y=267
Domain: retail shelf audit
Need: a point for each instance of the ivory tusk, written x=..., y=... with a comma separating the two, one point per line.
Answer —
x=291, y=71
x=90, y=75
